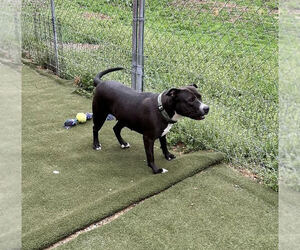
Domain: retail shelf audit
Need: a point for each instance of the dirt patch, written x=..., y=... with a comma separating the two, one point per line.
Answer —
x=230, y=12
x=247, y=173
x=93, y=15
x=275, y=11
x=81, y=46
x=179, y=148
x=220, y=5
x=210, y=5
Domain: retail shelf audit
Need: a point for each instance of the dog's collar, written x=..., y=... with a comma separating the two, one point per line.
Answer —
x=163, y=111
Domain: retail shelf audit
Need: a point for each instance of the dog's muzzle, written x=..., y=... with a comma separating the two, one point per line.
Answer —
x=204, y=109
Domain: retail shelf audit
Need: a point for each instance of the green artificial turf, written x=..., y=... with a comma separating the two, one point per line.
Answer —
x=215, y=209
x=90, y=185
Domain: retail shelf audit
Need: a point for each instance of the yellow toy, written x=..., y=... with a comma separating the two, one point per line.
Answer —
x=81, y=117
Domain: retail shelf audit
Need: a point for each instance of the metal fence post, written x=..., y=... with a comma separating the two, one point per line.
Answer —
x=54, y=37
x=134, y=43
x=140, y=54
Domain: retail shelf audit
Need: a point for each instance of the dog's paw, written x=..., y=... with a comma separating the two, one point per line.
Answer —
x=170, y=157
x=97, y=147
x=161, y=171
x=124, y=146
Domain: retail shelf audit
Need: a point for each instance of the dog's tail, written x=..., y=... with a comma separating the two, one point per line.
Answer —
x=97, y=79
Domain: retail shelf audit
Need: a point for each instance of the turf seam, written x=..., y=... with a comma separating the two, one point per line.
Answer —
x=117, y=214
x=93, y=226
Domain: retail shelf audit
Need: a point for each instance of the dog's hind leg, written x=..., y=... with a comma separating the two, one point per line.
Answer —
x=163, y=145
x=98, y=119
x=117, y=129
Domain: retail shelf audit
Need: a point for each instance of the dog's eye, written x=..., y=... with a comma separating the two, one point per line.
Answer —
x=191, y=99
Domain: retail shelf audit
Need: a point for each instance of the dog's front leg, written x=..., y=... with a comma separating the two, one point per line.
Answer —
x=163, y=145
x=149, y=144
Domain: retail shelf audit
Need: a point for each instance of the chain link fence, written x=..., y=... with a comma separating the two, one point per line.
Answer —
x=228, y=48
x=85, y=41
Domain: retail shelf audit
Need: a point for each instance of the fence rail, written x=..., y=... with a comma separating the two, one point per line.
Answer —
x=228, y=48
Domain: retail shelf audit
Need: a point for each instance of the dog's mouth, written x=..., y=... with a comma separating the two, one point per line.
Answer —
x=202, y=117
x=198, y=117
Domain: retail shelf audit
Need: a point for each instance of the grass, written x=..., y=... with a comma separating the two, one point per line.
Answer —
x=215, y=209
x=229, y=49
x=90, y=185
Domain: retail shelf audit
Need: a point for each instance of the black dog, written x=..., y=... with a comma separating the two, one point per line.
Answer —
x=150, y=114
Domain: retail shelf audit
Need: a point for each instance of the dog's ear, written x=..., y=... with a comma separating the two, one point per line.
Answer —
x=194, y=85
x=172, y=92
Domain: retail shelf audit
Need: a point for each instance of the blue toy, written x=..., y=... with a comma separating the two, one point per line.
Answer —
x=89, y=116
x=73, y=122
x=70, y=123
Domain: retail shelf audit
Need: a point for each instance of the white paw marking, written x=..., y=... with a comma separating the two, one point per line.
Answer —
x=98, y=148
x=125, y=145
x=164, y=171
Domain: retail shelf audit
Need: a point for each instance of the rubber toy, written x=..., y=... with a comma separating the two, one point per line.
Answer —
x=81, y=117
x=70, y=123
x=89, y=116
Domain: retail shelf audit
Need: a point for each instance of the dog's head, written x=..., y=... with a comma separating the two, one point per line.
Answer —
x=187, y=102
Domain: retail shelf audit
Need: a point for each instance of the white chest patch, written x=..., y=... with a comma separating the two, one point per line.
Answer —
x=167, y=129
x=175, y=117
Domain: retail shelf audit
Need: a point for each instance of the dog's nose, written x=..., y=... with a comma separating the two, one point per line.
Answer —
x=206, y=109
